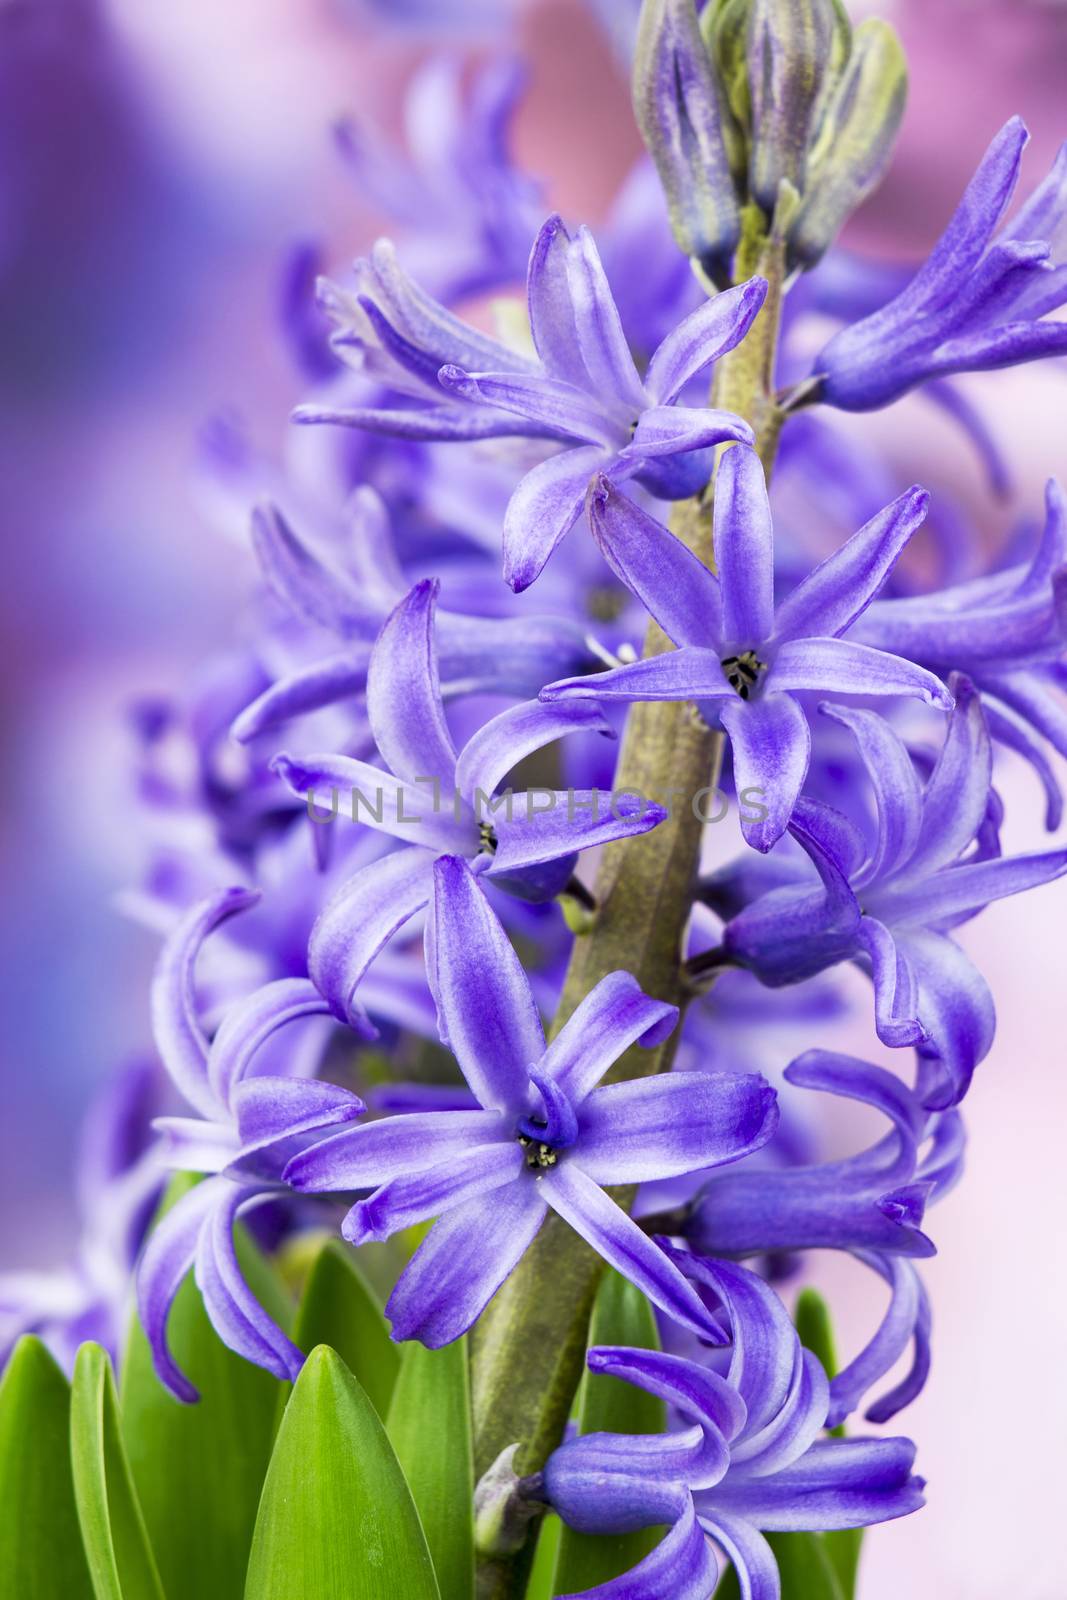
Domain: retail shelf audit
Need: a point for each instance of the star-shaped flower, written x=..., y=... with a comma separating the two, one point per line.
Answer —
x=583, y=389
x=739, y=656
x=544, y=1134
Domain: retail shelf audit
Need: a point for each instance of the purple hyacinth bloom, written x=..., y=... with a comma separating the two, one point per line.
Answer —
x=890, y=902
x=583, y=389
x=749, y=1459
x=349, y=596
x=978, y=301
x=439, y=802
x=544, y=1135
x=739, y=656
x=871, y=1205
x=1007, y=632
x=247, y=1126
x=468, y=211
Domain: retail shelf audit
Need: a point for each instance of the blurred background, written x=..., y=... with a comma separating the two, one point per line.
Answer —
x=157, y=165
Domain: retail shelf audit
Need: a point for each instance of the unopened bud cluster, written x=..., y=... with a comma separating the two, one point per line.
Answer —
x=775, y=104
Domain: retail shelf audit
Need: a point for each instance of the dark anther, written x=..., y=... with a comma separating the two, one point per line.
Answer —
x=743, y=672
x=487, y=838
x=538, y=1155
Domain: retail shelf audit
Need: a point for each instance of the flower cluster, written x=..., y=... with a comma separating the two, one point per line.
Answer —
x=369, y=829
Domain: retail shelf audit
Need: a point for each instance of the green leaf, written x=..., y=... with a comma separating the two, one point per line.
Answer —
x=339, y=1308
x=199, y=1468
x=429, y=1427
x=804, y=1564
x=542, y=1574
x=336, y=1520
x=621, y=1315
x=121, y=1563
x=40, y=1542
x=812, y=1318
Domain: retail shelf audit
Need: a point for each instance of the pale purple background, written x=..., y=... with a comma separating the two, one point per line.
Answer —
x=150, y=181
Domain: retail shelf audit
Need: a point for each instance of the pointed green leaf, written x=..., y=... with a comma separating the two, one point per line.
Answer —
x=812, y=1317
x=542, y=1574
x=429, y=1427
x=40, y=1543
x=121, y=1563
x=199, y=1468
x=336, y=1520
x=340, y=1309
x=621, y=1315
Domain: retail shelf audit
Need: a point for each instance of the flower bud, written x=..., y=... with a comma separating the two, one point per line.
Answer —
x=856, y=140
x=795, y=50
x=678, y=104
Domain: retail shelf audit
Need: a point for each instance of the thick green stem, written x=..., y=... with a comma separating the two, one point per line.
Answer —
x=529, y=1346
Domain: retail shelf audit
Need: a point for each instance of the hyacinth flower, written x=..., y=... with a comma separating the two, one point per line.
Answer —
x=349, y=599
x=467, y=209
x=741, y=659
x=583, y=388
x=439, y=802
x=544, y=1135
x=890, y=903
x=749, y=1459
x=871, y=1205
x=1007, y=632
x=979, y=301
x=247, y=1126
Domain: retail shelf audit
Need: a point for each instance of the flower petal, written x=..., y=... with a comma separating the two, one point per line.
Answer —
x=771, y=745
x=375, y=1153
x=404, y=693
x=544, y=507
x=897, y=791
x=167, y=1258
x=685, y=674
x=702, y=337
x=485, y=1008
x=612, y=1017
x=652, y=1128
x=839, y=1483
x=506, y=739
x=529, y=834
x=356, y=922
x=568, y=412
x=419, y=1196
x=668, y=579
x=248, y=1024
x=840, y=666
x=179, y=1037
x=596, y=318
x=350, y=788
x=835, y=593
x=751, y=1555
x=674, y=430
x=615, y=1236
x=682, y=1565
x=323, y=683
x=462, y=1262
x=236, y=1315
x=744, y=550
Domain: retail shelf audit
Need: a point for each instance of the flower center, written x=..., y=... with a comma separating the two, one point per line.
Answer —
x=743, y=672
x=538, y=1155
x=487, y=838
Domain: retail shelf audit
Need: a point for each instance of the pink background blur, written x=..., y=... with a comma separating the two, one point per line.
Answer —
x=148, y=191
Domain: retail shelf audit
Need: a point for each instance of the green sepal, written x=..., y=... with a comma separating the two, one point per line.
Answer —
x=339, y=1308
x=429, y=1427
x=121, y=1563
x=41, y=1552
x=199, y=1468
x=336, y=1519
x=621, y=1316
